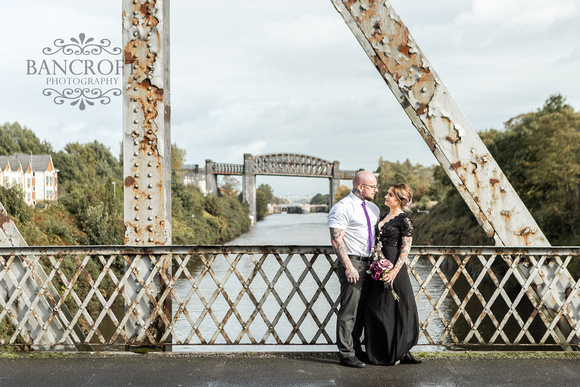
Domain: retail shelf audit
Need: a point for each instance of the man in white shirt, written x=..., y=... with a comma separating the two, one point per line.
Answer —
x=352, y=223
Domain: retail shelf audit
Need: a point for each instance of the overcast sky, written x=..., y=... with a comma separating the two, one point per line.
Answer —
x=266, y=76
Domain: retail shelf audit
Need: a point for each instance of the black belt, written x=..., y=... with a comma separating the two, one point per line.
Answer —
x=359, y=258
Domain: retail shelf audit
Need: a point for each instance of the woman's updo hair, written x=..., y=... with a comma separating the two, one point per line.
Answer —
x=404, y=193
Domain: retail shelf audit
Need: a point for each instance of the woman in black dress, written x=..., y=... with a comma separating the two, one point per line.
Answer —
x=391, y=326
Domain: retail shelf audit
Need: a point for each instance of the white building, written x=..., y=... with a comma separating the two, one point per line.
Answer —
x=34, y=173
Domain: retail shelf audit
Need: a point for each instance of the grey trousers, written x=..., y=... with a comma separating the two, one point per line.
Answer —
x=349, y=322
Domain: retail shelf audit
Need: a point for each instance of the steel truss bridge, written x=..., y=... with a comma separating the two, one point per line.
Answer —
x=148, y=292
x=272, y=164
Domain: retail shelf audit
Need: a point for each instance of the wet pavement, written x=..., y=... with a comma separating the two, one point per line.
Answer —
x=288, y=369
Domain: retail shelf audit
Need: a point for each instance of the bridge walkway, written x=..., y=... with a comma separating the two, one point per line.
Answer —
x=286, y=369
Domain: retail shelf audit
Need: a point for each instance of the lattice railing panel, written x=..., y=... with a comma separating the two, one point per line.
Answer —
x=280, y=295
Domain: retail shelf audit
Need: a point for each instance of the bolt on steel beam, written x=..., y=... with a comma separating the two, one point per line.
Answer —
x=146, y=137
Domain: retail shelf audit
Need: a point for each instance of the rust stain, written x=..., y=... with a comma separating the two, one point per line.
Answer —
x=129, y=181
x=493, y=181
x=405, y=50
x=456, y=165
x=4, y=218
x=168, y=112
x=431, y=143
x=452, y=140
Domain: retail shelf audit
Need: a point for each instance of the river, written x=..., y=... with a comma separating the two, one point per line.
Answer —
x=282, y=229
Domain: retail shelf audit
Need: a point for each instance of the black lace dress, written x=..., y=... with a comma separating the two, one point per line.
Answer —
x=391, y=327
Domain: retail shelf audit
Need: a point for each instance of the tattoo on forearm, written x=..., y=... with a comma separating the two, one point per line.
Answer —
x=405, y=250
x=336, y=234
x=336, y=238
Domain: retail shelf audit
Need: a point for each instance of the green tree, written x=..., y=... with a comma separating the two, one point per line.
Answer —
x=230, y=186
x=17, y=139
x=540, y=154
x=419, y=178
x=261, y=205
x=264, y=196
x=320, y=199
x=268, y=191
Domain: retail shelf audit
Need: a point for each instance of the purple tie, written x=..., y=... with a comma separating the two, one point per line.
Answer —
x=369, y=226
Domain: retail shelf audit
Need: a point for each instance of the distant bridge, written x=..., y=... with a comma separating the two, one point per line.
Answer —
x=273, y=164
x=299, y=208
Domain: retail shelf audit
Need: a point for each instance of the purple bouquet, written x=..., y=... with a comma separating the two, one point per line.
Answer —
x=379, y=270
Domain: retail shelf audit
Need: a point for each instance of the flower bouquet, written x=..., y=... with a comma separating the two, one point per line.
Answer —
x=380, y=268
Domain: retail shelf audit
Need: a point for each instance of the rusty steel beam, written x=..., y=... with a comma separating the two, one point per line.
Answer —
x=146, y=140
x=146, y=122
x=450, y=136
x=441, y=123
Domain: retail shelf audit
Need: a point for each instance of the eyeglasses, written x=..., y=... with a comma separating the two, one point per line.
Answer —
x=373, y=187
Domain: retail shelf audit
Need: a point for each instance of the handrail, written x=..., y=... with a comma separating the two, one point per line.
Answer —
x=468, y=296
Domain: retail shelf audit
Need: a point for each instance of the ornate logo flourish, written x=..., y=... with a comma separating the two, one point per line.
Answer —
x=81, y=46
x=81, y=96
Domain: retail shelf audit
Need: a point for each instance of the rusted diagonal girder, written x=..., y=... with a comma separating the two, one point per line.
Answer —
x=441, y=123
x=453, y=141
x=23, y=281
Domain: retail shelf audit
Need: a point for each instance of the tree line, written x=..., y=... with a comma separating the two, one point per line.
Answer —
x=89, y=209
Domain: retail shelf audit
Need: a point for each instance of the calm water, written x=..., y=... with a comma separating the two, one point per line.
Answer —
x=277, y=229
x=288, y=229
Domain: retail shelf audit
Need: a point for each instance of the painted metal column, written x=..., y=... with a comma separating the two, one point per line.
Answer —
x=249, y=186
x=146, y=148
x=449, y=135
x=334, y=182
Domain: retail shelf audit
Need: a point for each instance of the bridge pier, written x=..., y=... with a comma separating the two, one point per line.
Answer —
x=334, y=182
x=210, y=179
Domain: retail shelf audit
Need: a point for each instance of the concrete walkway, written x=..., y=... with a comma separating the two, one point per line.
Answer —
x=290, y=369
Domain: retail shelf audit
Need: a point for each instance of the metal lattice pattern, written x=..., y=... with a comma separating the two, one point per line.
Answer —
x=277, y=295
x=291, y=164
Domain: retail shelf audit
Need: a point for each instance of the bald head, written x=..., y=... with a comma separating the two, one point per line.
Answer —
x=363, y=177
x=364, y=185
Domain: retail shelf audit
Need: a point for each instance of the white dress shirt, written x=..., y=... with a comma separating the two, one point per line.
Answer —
x=348, y=215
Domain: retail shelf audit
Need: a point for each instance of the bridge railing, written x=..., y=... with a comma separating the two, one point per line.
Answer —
x=271, y=295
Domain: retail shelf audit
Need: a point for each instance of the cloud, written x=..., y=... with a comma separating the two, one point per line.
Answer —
x=307, y=31
x=521, y=14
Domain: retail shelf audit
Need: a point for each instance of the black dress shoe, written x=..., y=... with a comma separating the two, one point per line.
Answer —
x=352, y=362
x=409, y=359
x=362, y=356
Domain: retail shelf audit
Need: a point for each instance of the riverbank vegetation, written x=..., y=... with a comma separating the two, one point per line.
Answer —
x=89, y=209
